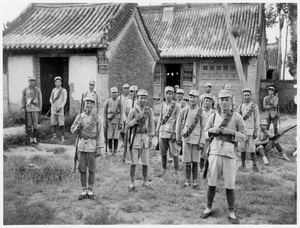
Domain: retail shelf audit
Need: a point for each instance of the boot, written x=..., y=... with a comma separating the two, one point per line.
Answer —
x=63, y=139
x=283, y=156
x=54, y=137
x=266, y=162
x=255, y=168
x=34, y=140
x=31, y=140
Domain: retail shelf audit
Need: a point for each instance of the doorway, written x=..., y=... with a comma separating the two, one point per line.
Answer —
x=50, y=67
x=173, y=74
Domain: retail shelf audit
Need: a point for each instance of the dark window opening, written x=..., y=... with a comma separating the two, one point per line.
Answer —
x=173, y=74
x=270, y=74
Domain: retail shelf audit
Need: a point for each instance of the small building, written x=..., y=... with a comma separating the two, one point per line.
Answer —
x=272, y=50
x=107, y=43
x=195, y=47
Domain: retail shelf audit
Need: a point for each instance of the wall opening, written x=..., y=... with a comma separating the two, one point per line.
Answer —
x=173, y=74
x=50, y=67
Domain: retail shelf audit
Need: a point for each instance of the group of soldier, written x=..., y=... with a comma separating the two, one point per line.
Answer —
x=205, y=130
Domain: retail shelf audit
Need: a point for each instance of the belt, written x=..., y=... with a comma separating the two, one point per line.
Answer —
x=86, y=137
x=141, y=131
x=224, y=138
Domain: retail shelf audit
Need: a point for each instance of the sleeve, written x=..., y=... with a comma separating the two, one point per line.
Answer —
x=100, y=138
x=177, y=110
x=241, y=133
x=105, y=111
x=75, y=124
x=152, y=122
x=40, y=99
x=209, y=124
x=265, y=103
x=178, y=125
x=121, y=111
x=23, y=100
x=130, y=119
x=275, y=102
x=202, y=136
x=98, y=104
x=258, y=141
x=233, y=104
x=51, y=101
x=160, y=117
x=256, y=118
x=64, y=100
x=215, y=102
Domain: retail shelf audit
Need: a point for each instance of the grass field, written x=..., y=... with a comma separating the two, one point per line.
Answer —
x=39, y=188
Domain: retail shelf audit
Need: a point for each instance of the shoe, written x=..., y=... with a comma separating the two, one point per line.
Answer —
x=233, y=220
x=31, y=140
x=162, y=173
x=242, y=167
x=90, y=194
x=283, y=156
x=195, y=186
x=63, y=139
x=34, y=140
x=186, y=184
x=170, y=160
x=206, y=215
x=146, y=185
x=255, y=169
x=266, y=162
x=177, y=177
x=82, y=196
x=131, y=188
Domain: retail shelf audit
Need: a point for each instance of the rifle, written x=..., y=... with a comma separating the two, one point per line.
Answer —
x=26, y=128
x=277, y=136
x=105, y=129
x=127, y=137
x=206, y=164
x=78, y=137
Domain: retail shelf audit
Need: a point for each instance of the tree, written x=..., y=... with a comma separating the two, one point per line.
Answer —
x=292, y=56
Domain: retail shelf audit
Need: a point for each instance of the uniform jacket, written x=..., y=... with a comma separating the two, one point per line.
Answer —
x=270, y=105
x=128, y=106
x=262, y=136
x=32, y=99
x=96, y=96
x=166, y=130
x=91, y=138
x=60, y=103
x=110, y=106
x=252, y=123
x=185, y=119
x=217, y=147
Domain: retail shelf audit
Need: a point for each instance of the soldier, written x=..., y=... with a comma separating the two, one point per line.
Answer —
x=250, y=113
x=141, y=119
x=32, y=105
x=208, y=91
x=189, y=129
x=91, y=140
x=93, y=93
x=264, y=145
x=233, y=108
x=58, y=100
x=124, y=97
x=166, y=130
x=270, y=104
x=128, y=102
x=180, y=100
x=207, y=111
x=112, y=119
x=224, y=128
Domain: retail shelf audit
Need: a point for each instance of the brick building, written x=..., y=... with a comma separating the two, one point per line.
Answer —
x=195, y=48
x=107, y=43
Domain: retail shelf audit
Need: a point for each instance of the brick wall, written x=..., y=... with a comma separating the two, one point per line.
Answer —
x=130, y=61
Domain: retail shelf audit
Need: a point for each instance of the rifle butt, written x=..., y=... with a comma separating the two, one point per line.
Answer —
x=204, y=174
x=74, y=168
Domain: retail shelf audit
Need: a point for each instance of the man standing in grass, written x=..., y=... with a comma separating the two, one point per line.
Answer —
x=224, y=128
x=141, y=120
x=93, y=93
x=112, y=119
x=91, y=140
x=264, y=145
x=124, y=97
x=189, y=128
x=32, y=104
x=270, y=104
x=166, y=131
x=250, y=113
x=58, y=100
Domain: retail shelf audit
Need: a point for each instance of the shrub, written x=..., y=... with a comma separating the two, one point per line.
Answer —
x=18, y=140
x=13, y=118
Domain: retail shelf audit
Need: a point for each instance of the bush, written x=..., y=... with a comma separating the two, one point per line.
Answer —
x=11, y=119
x=9, y=141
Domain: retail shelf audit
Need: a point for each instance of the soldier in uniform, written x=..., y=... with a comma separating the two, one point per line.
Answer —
x=189, y=131
x=270, y=104
x=208, y=91
x=166, y=130
x=32, y=104
x=113, y=118
x=58, y=100
x=93, y=93
x=91, y=140
x=207, y=111
x=233, y=108
x=141, y=120
x=124, y=97
x=250, y=113
x=264, y=145
x=180, y=100
x=128, y=103
x=224, y=128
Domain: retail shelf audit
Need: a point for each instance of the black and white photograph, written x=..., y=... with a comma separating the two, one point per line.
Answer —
x=149, y=113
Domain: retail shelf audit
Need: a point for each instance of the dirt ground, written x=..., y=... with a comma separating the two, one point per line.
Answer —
x=147, y=206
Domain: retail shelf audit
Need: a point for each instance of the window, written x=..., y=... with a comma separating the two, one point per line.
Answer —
x=219, y=71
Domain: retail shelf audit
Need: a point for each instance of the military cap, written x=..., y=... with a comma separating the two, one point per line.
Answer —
x=208, y=95
x=208, y=84
x=125, y=86
x=142, y=92
x=92, y=82
x=246, y=90
x=57, y=78
x=169, y=88
x=180, y=91
x=263, y=122
x=271, y=88
x=225, y=93
x=89, y=98
x=176, y=87
x=113, y=89
x=194, y=93
x=132, y=88
x=31, y=78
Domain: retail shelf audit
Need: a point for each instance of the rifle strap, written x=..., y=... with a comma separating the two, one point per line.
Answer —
x=249, y=113
x=193, y=125
x=58, y=95
x=167, y=117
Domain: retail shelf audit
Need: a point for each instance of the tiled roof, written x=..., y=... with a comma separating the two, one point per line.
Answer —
x=201, y=31
x=272, y=55
x=67, y=25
